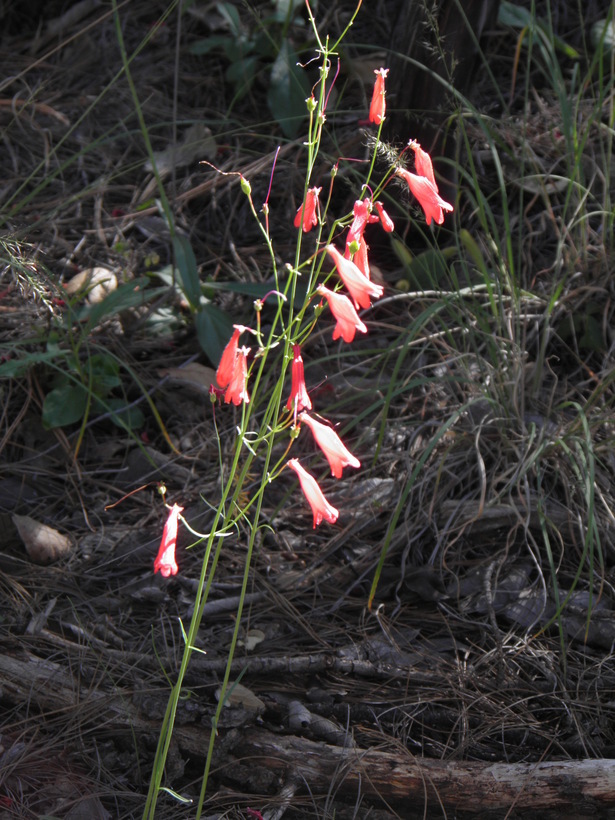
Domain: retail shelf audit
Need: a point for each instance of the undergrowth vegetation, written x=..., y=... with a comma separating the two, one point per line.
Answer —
x=157, y=225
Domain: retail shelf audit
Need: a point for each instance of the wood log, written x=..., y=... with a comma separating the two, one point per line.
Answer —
x=569, y=788
x=566, y=789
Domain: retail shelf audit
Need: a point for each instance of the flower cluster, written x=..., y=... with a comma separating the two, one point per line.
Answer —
x=423, y=185
x=232, y=371
x=355, y=290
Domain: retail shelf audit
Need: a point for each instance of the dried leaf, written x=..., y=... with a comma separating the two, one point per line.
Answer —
x=193, y=375
x=43, y=544
x=253, y=638
x=96, y=283
x=240, y=697
x=197, y=144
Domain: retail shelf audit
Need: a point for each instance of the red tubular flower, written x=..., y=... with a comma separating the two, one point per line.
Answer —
x=422, y=163
x=330, y=443
x=226, y=368
x=426, y=193
x=307, y=216
x=237, y=390
x=378, y=105
x=361, y=211
x=165, y=560
x=314, y=495
x=360, y=258
x=299, y=399
x=360, y=287
x=346, y=316
x=385, y=219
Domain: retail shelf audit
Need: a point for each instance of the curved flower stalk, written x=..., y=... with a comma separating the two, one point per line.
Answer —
x=165, y=560
x=347, y=319
x=332, y=446
x=321, y=508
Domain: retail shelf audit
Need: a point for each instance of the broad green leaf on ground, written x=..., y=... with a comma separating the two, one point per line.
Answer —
x=19, y=367
x=121, y=415
x=64, y=405
x=188, y=270
x=288, y=91
x=214, y=328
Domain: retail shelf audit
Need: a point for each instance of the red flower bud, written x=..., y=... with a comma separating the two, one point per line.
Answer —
x=299, y=399
x=378, y=105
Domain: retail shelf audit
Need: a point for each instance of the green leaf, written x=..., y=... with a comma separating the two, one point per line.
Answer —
x=214, y=328
x=231, y=15
x=209, y=44
x=429, y=269
x=126, y=296
x=288, y=91
x=122, y=416
x=104, y=374
x=64, y=405
x=514, y=16
x=287, y=8
x=19, y=367
x=241, y=74
x=188, y=271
